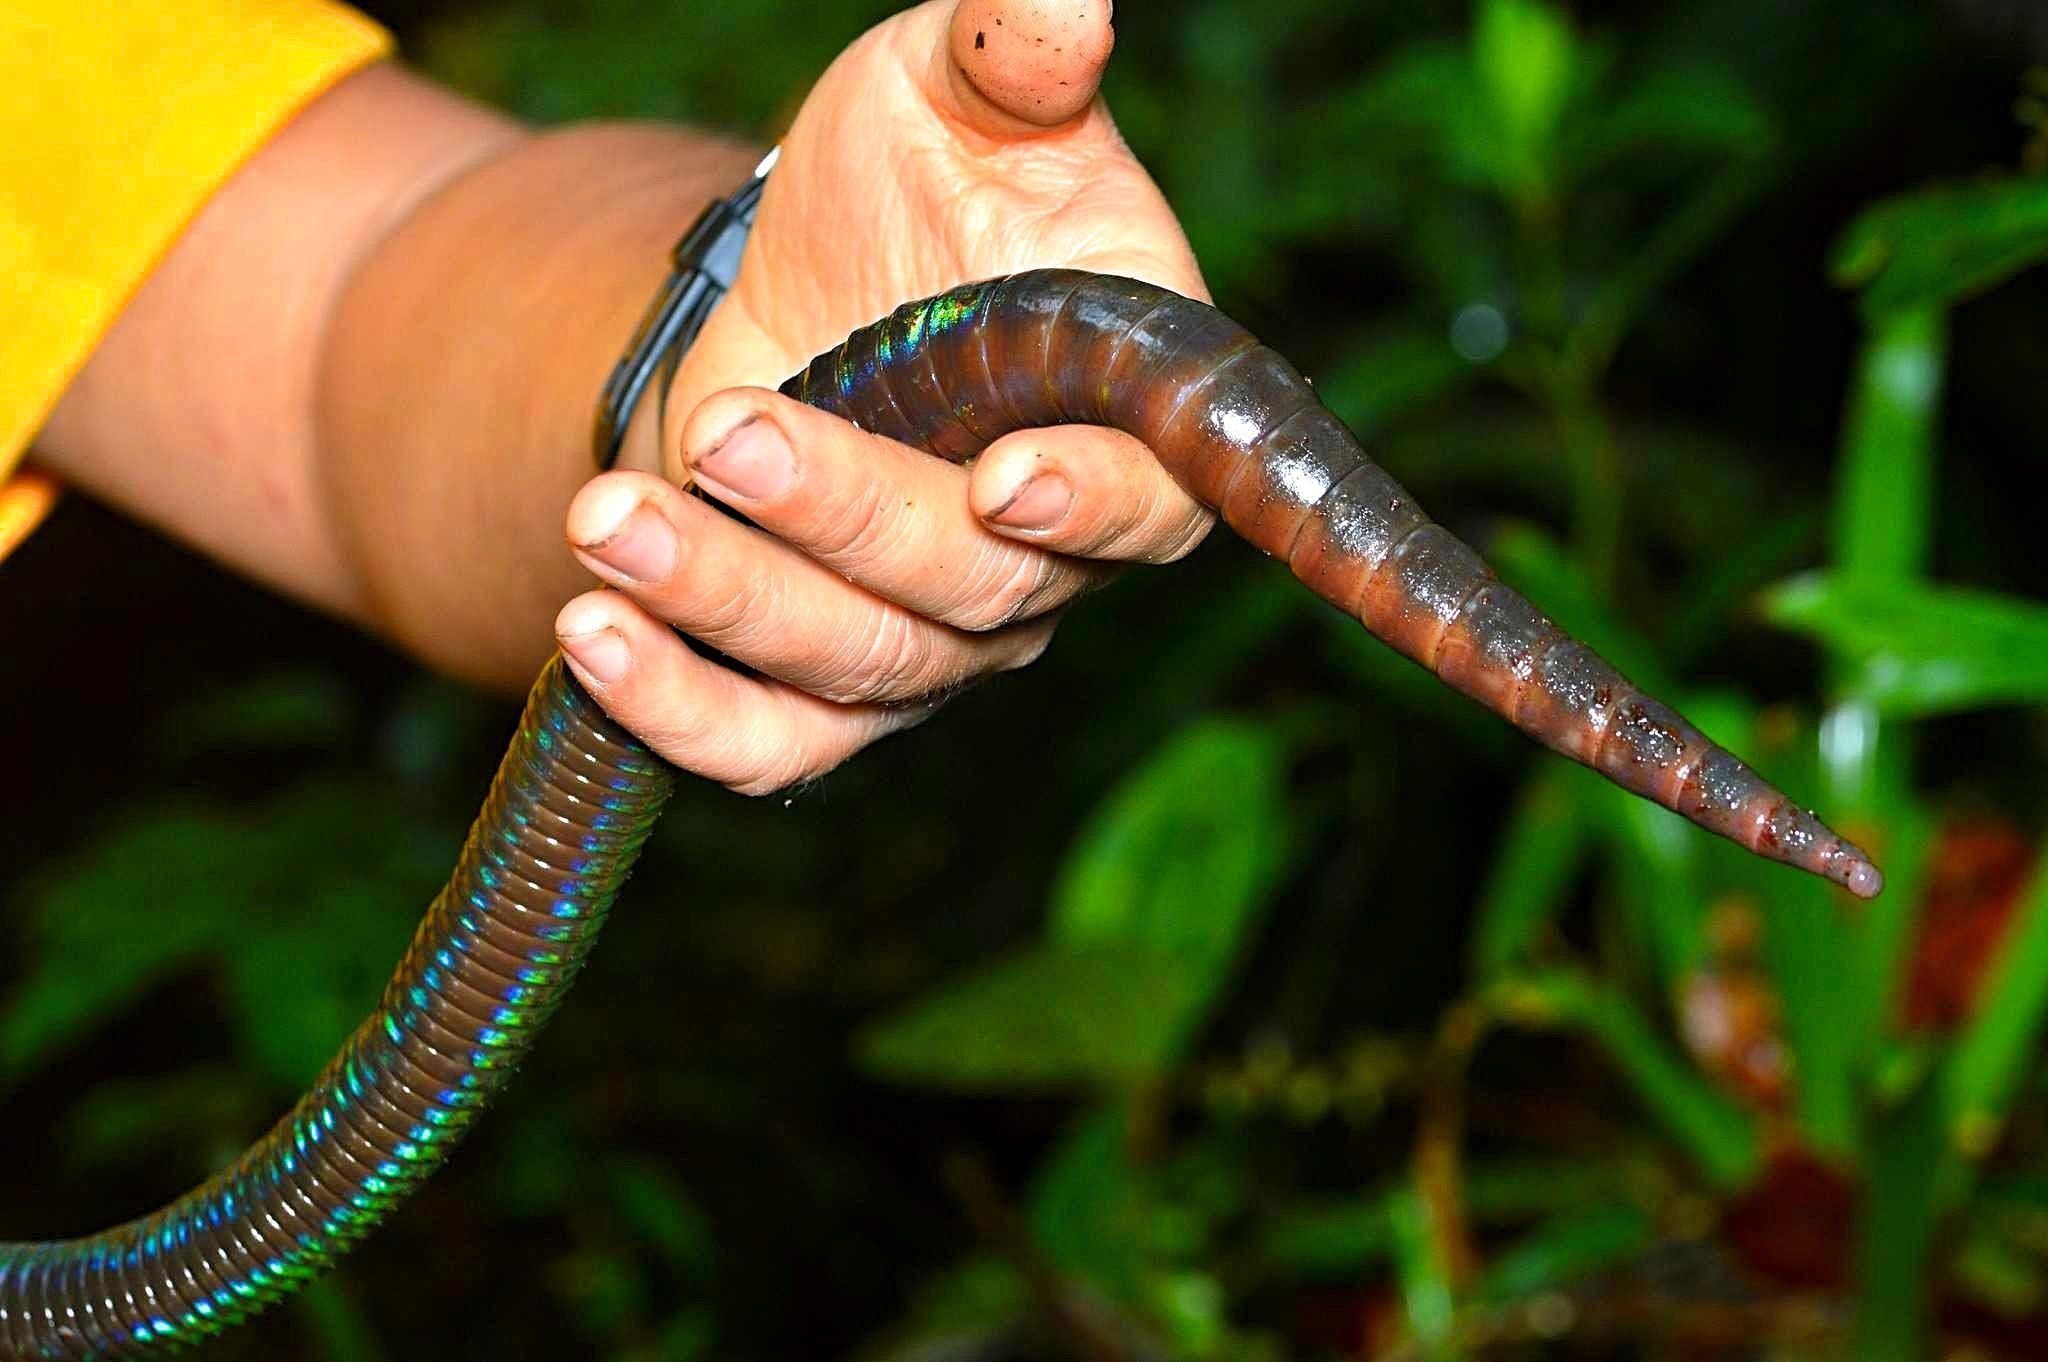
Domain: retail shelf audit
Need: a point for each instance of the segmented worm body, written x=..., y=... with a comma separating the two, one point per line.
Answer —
x=573, y=800
x=576, y=796
x=1245, y=434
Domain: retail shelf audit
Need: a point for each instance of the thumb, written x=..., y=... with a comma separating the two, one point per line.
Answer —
x=1031, y=62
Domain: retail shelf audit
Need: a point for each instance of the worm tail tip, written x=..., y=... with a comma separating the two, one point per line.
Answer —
x=1861, y=878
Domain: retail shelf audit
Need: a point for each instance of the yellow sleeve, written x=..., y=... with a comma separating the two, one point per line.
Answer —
x=116, y=123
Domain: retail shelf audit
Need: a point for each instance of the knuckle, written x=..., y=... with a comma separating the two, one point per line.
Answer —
x=851, y=526
x=1185, y=536
x=1020, y=583
x=680, y=741
x=745, y=605
x=769, y=766
x=761, y=784
x=895, y=660
x=765, y=781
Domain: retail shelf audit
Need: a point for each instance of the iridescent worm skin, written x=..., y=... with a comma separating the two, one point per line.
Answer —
x=1245, y=434
x=575, y=796
x=573, y=801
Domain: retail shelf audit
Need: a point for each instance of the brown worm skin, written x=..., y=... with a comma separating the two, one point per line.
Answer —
x=1237, y=426
x=575, y=796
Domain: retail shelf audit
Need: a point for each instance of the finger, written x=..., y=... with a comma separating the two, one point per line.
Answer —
x=1087, y=491
x=1032, y=61
x=771, y=607
x=752, y=735
x=886, y=516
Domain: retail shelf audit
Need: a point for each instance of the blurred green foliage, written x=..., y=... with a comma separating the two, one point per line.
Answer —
x=1224, y=988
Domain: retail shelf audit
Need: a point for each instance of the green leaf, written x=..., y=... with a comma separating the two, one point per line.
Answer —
x=1889, y=922
x=1993, y=1053
x=1425, y=1283
x=1105, y=1016
x=1678, y=109
x=1918, y=650
x=1904, y=1207
x=1937, y=246
x=1565, y=1249
x=143, y=902
x=1183, y=855
x=1993, y=1271
x=1718, y=1135
x=305, y=902
x=1538, y=858
x=1702, y=608
x=664, y=1215
x=1191, y=1309
x=1809, y=947
x=1526, y=55
x=1330, y=1241
x=1090, y=1209
x=1884, y=504
x=1424, y=102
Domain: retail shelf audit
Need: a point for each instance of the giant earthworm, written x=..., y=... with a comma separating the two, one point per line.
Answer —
x=575, y=796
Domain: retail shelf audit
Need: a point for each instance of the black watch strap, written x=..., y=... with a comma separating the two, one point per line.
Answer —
x=701, y=271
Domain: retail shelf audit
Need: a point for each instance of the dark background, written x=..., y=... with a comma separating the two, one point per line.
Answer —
x=696, y=1162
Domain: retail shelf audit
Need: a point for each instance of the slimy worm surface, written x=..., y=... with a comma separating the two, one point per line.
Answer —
x=575, y=797
x=573, y=800
x=1245, y=434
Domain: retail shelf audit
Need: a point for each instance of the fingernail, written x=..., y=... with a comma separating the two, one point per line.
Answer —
x=643, y=547
x=1039, y=504
x=753, y=461
x=602, y=652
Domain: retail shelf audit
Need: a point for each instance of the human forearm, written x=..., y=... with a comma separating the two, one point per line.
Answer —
x=195, y=413
x=460, y=374
x=364, y=373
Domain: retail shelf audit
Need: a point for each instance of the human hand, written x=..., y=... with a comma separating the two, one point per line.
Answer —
x=952, y=142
